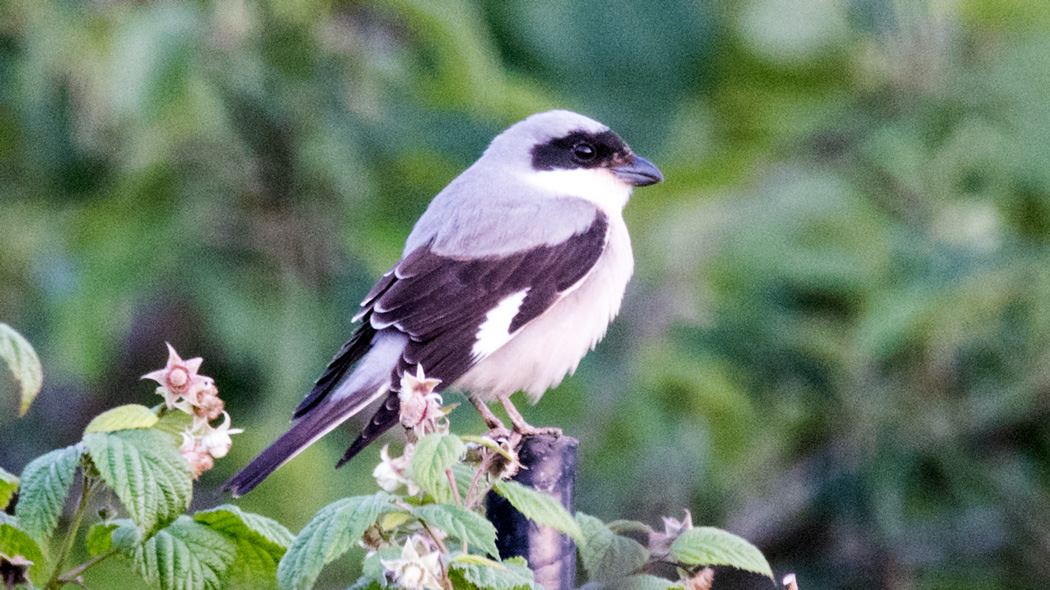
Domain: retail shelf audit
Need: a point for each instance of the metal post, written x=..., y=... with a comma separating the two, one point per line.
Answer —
x=550, y=467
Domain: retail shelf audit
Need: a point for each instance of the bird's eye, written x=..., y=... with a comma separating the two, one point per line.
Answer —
x=583, y=152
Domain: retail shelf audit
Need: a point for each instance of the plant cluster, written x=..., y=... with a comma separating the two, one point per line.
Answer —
x=425, y=530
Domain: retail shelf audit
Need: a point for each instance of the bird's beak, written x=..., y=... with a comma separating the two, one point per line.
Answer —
x=641, y=172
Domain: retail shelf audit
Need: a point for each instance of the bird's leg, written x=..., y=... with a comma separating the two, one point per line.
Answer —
x=520, y=425
x=496, y=426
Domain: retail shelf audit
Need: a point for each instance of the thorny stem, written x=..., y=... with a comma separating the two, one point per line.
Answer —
x=437, y=540
x=455, y=489
x=474, y=483
x=56, y=581
x=441, y=547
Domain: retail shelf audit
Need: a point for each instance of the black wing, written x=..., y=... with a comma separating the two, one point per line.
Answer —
x=440, y=302
x=348, y=354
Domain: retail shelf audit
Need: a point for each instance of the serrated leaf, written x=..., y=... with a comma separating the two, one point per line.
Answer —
x=606, y=555
x=127, y=536
x=511, y=574
x=254, y=528
x=433, y=455
x=43, y=491
x=24, y=364
x=99, y=538
x=333, y=530
x=173, y=422
x=464, y=475
x=460, y=523
x=14, y=541
x=185, y=556
x=122, y=418
x=260, y=544
x=146, y=471
x=8, y=487
x=635, y=582
x=540, y=508
x=254, y=568
x=711, y=546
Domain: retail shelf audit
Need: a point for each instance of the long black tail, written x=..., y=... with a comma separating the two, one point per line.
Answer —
x=370, y=380
x=301, y=435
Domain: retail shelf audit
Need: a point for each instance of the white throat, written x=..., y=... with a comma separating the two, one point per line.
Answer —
x=598, y=185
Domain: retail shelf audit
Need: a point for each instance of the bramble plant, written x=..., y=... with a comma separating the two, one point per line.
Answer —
x=425, y=529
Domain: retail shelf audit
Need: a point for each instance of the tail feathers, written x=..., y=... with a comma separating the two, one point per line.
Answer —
x=302, y=434
x=369, y=381
x=385, y=417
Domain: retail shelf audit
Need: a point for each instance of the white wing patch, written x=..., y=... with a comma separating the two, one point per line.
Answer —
x=494, y=332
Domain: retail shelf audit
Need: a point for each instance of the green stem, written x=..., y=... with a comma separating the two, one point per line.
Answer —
x=71, y=575
x=56, y=580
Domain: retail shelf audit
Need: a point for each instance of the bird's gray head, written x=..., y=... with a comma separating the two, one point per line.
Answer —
x=569, y=152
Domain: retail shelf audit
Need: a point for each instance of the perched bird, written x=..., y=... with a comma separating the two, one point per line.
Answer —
x=509, y=278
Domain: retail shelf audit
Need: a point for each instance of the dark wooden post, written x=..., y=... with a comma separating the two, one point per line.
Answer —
x=550, y=467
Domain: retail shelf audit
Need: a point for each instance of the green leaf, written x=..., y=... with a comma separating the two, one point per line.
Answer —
x=14, y=541
x=508, y=575
x=8, y=487
x=464, y=475
x=260, y=544
x=711, y=546
x=373, y=569
x=366, y=583
x=24, y=365
x=622, y=526
x=122, y=418
x=434, y=454
x=43, y=491
x=238, y=524
x=173, y=422
x=606, y=555
x=127, y=536
x=99, y=538
x=635, y=582
x=146, y=471
x=540, y=508
x=333, y=530
x=185, y=556
x=460, y=523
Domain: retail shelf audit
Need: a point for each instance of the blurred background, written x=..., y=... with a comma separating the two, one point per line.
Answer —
x=837, y=342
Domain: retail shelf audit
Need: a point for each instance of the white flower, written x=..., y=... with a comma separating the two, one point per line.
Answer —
x=417, y=568
x=386, y=476
x=390, y=473
x=420, y=406
x=217, y=440
x=202, y=443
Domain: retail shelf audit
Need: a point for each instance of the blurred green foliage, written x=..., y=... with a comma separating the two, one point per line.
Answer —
x=838, y=341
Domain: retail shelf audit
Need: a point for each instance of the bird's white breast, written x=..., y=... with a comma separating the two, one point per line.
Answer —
x=552, y=345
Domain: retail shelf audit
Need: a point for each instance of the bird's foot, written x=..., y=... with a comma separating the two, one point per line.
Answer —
x=495, y=424
x=500, y=432
x=528, y=430
x=521, y=426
